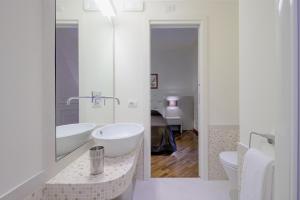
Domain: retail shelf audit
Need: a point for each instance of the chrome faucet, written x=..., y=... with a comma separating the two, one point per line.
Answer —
x=114, y=98
x=95, y=99
x=77, y=98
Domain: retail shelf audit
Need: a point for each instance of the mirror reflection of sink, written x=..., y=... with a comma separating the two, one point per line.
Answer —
x=71, y=136
x=118, y=139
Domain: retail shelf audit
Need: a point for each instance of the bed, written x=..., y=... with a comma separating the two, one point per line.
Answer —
x=162, y=137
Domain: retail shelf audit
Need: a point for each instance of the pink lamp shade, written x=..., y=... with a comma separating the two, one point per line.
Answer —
x=172, y=101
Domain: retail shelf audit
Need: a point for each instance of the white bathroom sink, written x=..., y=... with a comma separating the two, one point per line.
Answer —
x=71, y=136
x=118, y=139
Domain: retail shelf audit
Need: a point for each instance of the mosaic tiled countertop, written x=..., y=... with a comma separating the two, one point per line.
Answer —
x=75, y=181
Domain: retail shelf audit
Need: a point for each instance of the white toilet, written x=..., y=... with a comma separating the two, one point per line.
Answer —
x=230, y=164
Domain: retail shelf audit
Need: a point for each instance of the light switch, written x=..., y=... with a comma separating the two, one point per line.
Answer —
x=132, y=104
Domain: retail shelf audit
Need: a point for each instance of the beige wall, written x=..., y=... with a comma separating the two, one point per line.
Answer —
x=132, y=57
x=259, y=69
x=259, y=72
x=132, y=71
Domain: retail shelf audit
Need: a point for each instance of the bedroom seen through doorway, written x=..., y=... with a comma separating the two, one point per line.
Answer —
x=174, y=101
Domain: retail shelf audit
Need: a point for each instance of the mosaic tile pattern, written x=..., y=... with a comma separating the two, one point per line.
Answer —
x=76, y=183
x=220, y=138
x=40, y=194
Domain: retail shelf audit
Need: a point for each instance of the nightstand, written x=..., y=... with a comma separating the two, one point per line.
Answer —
x=175, y=121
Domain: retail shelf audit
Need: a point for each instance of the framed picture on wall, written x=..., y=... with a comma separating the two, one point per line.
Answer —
x=154, y=81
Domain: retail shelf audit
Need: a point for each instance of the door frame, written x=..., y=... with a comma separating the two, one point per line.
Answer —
x=287, y=141
x=296, y=187
x=292, y=10
x=203, y=106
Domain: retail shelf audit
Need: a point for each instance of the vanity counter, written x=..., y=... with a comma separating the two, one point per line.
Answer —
x=75, y=181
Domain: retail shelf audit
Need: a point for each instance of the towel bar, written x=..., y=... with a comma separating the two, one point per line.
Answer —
x=270, y=138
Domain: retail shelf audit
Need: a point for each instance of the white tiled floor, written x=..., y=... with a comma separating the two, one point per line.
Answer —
x=181, y=189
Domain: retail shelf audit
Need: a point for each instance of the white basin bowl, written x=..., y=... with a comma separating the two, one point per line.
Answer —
x=118, y=139
x=71, y=136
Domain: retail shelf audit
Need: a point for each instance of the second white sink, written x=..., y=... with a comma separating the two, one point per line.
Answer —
x=118, y=139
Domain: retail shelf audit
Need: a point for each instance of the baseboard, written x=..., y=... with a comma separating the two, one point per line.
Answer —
x=20, y=191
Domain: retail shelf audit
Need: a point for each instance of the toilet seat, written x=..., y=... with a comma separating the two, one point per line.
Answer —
x=229, y=159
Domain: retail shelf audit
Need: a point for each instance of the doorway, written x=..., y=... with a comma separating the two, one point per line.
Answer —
x=174, y=101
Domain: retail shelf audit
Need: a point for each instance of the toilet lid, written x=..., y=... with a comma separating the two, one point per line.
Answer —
x=229, y=158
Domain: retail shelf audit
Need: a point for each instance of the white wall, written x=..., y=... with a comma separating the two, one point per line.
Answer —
x=27, y=82
x=267, y=82
x=132, y=72
x=132, y=58
x=174, y=54
x=95, y=58
x=21, y=92
x=259, y=69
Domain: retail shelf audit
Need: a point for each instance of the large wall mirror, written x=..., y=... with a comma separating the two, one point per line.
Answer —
x=84, y=73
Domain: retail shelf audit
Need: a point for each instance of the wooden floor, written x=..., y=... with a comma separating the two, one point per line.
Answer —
x=182, y=163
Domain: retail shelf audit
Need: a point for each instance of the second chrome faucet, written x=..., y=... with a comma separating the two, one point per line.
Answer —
x=96, y=99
